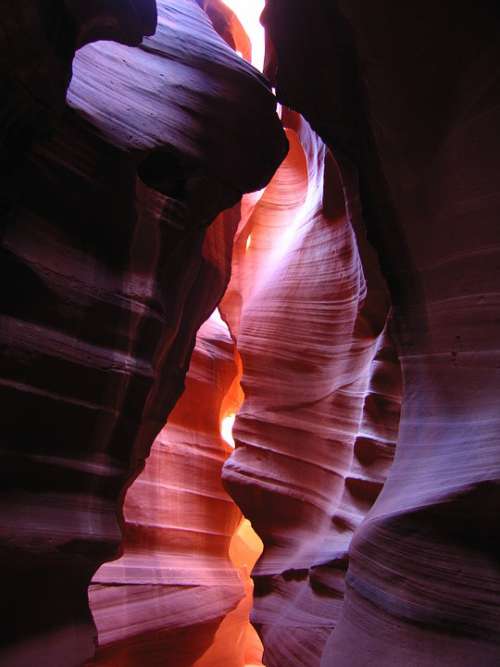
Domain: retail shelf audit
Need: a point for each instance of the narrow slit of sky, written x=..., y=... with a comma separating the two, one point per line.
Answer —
x=248, y=12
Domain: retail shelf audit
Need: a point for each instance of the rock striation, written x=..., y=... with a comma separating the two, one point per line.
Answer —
x=357, y=338
x=175, y=582
x=114, y=271
x=316, y=431
x=411, y=109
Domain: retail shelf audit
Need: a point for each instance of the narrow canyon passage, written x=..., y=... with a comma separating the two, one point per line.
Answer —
x=182, y=586
x=187, y=547
x=311, y=456
x=249, y=325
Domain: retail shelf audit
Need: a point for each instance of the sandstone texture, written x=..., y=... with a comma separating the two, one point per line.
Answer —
x=316, y=431
x=412, y=106
x=180, y=255
x=108, y=272
x=175, y=582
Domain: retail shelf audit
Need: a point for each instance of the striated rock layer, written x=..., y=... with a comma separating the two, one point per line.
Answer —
x=316, y=432
x=108, y=272
x=408, y=97
x=375, y=247
x=165, y=597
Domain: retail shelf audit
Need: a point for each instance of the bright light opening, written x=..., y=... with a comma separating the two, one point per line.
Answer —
x=226, y=429
x=248, y=12
x=249, y=242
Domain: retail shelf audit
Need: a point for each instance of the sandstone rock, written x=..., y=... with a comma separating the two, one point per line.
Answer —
x=164, y=598
x=316, y=431
x=111, y=273
x=412, y=110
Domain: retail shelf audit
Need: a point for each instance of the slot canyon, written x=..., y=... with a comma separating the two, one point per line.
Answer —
x=250, y=333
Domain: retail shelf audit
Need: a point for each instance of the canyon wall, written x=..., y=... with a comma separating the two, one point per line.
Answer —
x=316, y=431
x=166, y=596
x=358, y=296
x=108, y=272
x=407, y=96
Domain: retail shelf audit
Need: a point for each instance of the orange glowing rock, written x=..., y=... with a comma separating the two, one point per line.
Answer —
x=106, y=204
x=248, y=14
x=176, y=573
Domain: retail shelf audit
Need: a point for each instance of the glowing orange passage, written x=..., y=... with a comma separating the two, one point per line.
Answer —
x=246, y=546
x=248, y=12
x=244, y=550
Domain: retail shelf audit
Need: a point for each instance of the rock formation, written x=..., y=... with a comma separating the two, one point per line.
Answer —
x=407, y=95
x=358, y=295
x=175, y=582
x=318, y=424
x=111, y=273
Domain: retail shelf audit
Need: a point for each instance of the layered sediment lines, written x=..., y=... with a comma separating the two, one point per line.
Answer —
x=416, y=118
x=166, y=596
x=373, y=249
x=108, y=272
x=316, y=432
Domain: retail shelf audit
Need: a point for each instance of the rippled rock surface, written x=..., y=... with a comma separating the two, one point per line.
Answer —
x=359, y=282
x=316, y=432
x=108, y=272
x=411, y=107
x=166, y=596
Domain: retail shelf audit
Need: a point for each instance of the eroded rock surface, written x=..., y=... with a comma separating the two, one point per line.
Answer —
x=375, y=246
x=412, y=107
x=316, y=432
x=108, y=273
x=165, y=597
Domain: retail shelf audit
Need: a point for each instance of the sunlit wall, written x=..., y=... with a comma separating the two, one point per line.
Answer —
x=248, y=12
